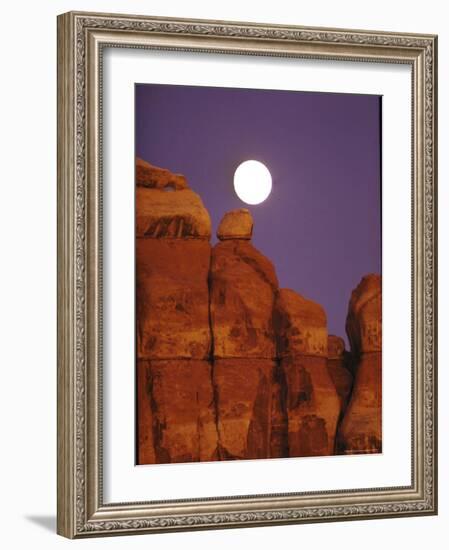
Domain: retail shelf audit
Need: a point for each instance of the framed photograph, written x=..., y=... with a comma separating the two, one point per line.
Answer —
x=246, y=274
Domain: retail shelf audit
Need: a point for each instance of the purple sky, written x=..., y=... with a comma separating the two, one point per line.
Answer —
x=321, y=224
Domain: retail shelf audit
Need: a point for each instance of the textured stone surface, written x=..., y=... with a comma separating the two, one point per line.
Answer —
x=243, y=391
x=229, y=366
x=301, y=326
x=243, y=285
x=172, y=298
x=312, y=403
x=176, y=412
x=279, y=418
x=145, y=448
x=153, y=177
x=183, y=414
x=169, y=210
x=236, y=224
x=364, y=320
x=338, y=366
x=361, y=428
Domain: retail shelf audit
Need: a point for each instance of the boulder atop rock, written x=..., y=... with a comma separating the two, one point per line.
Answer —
x=153, y=177
x=300, y=325
x=364, y=320
x=166, y=207
x=236, y=224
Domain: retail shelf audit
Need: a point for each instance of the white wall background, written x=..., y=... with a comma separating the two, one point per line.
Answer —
x=28, y=270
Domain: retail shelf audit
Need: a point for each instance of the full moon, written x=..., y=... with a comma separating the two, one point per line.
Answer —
x=252, y=182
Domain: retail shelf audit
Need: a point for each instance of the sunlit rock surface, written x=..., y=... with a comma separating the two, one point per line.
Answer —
x=312, y=403
x=361, y=427
x=229, y=366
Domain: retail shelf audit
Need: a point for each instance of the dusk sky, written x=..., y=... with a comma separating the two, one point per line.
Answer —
x=321, y=225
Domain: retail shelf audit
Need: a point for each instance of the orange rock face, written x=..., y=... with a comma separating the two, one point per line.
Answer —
x=154, y=177
x=243, y=286
x=242, y=293
x=243, y=389
x=237, y=224
x=361, y=427
x=172, y=298
x=145, y=450
x=183, y=415
x=176, y=421
x=229, y=366
x=312, y=403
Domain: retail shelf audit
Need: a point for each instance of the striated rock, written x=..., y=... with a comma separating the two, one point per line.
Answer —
x=183, y=414
x=237, y=224
x=176, y=414
x=312, y=403
x=301, y=326
x=243, y=390
x=228, y=365
x=338, y=367
x=166, y=211
x=361, y=428
x=364, y=320
x=243, y=285
x=148, y=175
x=172, y=298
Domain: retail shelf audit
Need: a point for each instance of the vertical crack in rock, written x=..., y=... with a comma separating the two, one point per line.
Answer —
x=361, y=428
x=215, y=395
x=339, y=368
x=312, y=403
x=279, y=421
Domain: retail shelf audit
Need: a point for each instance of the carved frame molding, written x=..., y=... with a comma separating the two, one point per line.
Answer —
x=81, y=39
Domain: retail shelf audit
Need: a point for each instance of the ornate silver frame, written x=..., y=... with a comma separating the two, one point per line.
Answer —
x=81, y=39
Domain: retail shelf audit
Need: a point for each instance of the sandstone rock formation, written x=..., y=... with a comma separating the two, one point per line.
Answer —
x=312, y=403
x=361, y=427
x=243, y=287
x=228, y=365
x=166, y=209
x=154, y=177
x=237, y=224
x=339, y=368
x=176, y=409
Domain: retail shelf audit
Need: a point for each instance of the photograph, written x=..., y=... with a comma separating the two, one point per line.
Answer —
x=258, y=273
x=247, y=282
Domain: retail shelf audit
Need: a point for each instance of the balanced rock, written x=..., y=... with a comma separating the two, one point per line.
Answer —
x=175, y=417
x=243, y=286
x=361, y=427
x=338, y=366
x=312, y=403
x=236, y=224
